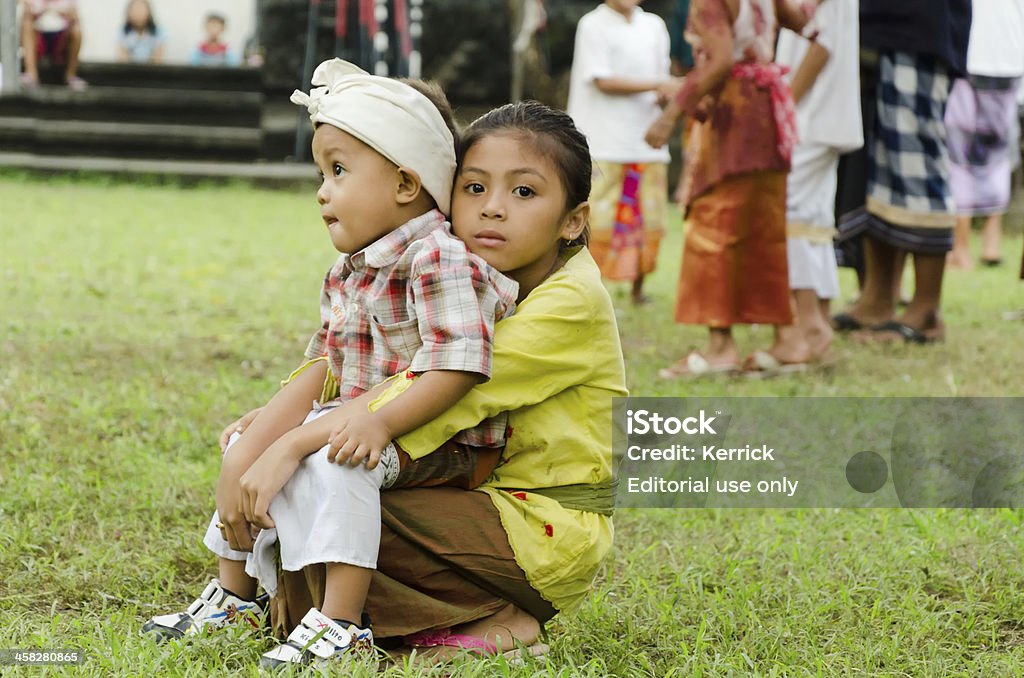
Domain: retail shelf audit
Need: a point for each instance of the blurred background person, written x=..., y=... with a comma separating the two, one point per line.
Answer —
x=213, y=50
x=895, y=197
x=50, y=29
x=620, y=65
x=824, y=76
x=983, y=128
x=682, y=62
x=141, y=41
x=738, y=154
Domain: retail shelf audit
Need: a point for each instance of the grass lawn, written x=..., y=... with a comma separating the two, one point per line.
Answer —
x=137, y=320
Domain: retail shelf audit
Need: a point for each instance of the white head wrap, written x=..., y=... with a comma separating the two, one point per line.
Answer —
x=388, y=116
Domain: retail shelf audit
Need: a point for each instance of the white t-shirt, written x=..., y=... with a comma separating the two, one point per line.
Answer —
x=829, y=113
x=996, y=46
x=50, y=14
x=610, y=46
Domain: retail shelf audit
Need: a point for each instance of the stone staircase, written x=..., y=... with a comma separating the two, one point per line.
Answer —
x=148, y=112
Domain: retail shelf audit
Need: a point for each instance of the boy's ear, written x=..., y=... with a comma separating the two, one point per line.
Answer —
x=576, y=221
x=408, y=187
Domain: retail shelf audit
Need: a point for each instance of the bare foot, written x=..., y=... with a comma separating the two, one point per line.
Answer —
x=639, y=299
x=791, y=350
x=960, y=260
x=819, y=338
x=504, y=628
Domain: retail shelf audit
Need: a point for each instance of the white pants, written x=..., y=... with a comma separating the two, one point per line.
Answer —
x=325, y=513
x=810, y=202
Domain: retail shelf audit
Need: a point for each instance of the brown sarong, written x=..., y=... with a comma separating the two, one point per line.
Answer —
x=444, y=560
x=734, y=256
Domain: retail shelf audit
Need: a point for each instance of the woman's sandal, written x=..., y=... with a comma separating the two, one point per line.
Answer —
x=844, y=322
x=693, y=366
x=762, y=364
x=908, y=334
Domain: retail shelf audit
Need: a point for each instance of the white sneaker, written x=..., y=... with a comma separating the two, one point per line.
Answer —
x=317, y=641
x=212, y=610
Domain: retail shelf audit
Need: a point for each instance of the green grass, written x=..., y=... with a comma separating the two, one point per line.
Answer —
x=138, y=319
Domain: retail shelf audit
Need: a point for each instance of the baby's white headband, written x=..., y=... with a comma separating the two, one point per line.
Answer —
x=388, y=116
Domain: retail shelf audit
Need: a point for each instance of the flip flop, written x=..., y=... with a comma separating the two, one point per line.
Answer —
x=985, y=261
x=910, y=335
x=445, y=638
x=762, y=364
x=695, y=366
x=77, y=84
x=844, y=322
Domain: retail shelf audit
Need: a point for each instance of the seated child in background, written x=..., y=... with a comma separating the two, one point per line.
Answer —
x=141, y=41
x=213, y=51
x=405, y=294
x=50, y=28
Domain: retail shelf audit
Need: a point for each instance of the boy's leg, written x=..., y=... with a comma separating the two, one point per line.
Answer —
x=74, y=46
x=960, y=256
x=233, y=578
x=992, y=239
x=813, y=319
x=330, y=513
x=345, y=592
x=226, y=600
x=29, y=47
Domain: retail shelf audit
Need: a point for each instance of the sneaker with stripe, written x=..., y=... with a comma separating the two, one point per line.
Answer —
x=213, y=609
x=319, y=641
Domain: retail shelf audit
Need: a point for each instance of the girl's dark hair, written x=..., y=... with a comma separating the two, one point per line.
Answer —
x=550, y=132
x=150, y=22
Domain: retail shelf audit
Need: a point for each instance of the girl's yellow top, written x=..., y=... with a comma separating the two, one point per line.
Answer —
x=557, y=365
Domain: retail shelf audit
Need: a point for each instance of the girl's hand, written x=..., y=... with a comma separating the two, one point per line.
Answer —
x=237, y=529
x=360, y=437
x=237, y=426
x=264, y=479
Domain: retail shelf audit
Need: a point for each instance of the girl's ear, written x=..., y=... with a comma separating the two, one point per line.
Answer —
x=408, y=187
x=575, y=222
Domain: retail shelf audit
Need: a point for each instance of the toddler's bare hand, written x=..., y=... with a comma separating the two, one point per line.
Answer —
x=361, y=437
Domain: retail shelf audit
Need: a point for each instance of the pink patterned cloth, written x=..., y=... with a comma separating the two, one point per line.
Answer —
x=445, y=638
x=770, y=77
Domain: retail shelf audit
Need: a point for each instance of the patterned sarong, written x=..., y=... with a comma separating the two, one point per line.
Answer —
x=981, y=121
x=628, y=229
x=627, y=216
x=909, y=203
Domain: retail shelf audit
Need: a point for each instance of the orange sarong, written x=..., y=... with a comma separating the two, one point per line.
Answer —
x=734, y=256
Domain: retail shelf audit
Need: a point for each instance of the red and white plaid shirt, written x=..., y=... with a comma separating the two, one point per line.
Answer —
x=416, y=299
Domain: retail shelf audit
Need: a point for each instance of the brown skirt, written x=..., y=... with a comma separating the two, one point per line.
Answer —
x=444, y=560
x=734, y=256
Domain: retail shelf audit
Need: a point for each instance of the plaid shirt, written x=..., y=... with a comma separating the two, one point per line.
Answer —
x=418, y=300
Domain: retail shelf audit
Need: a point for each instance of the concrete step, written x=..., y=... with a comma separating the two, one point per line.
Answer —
x=129, y=140
x=173, y=76
x=136, y=105
x=284, y=175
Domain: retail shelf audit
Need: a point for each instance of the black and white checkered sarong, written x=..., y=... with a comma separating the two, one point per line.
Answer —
x=909, y=202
